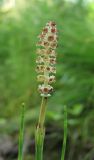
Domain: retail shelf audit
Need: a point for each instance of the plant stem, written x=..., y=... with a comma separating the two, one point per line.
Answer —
x=42, y=112
x=65, y=134
x=40, y=131
x=39, y=141
x=21, y=134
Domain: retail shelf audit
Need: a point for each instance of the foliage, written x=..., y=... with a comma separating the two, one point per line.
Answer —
x=75, y=65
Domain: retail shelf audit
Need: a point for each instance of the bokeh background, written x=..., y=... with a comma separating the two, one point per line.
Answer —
x=20, y=23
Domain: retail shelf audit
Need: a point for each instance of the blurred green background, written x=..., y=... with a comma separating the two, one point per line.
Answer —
x=20, y=24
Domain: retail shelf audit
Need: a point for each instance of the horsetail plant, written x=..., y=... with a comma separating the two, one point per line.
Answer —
x=65, y=134
x=21, y=134
x=46, y=69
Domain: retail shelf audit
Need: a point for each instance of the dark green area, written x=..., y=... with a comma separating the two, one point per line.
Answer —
x=74, y=87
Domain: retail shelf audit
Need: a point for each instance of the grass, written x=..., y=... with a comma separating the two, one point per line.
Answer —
x=21, y=134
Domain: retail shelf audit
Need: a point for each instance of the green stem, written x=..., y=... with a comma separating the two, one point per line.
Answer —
x=40, y=131
x=65, y=134
x=42, y=112
x=21, y=134
x=39, y=141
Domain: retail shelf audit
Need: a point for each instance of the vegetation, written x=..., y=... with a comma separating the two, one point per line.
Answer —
x=74, y=87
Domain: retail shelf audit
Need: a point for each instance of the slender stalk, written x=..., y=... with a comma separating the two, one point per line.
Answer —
x=42, y=112
x=39, y=141
x=65, y=134
x=21, y=134
x=40, y=131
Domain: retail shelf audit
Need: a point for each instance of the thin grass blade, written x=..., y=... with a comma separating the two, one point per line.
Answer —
x=65, y=134
x=21, y=134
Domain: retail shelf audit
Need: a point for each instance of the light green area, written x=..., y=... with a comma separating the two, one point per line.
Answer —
x=74, y=87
